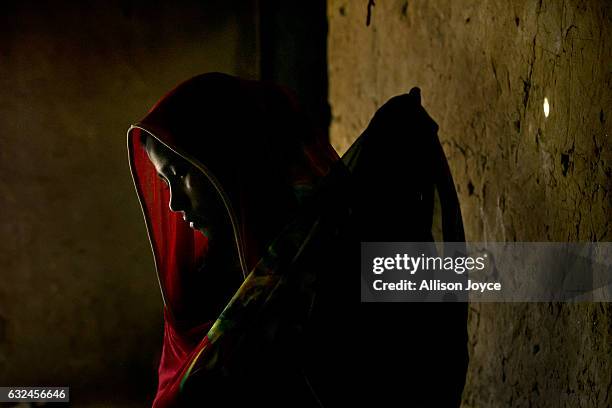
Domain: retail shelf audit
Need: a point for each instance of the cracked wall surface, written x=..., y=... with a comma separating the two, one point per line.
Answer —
x=485, y=69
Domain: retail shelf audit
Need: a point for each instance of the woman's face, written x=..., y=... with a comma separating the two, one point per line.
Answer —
x=191, y=192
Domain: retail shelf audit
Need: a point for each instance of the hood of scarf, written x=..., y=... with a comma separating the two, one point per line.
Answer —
x=256, y=148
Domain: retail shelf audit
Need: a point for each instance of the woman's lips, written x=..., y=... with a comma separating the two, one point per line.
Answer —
x=188, y=220
x=193, y=222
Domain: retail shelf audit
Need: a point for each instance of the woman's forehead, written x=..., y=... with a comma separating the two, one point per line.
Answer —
x=161, y=156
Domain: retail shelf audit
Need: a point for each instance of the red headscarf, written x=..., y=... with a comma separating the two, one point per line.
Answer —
x=262, y=157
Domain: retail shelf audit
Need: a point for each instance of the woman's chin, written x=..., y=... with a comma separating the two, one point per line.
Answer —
x=203, y=230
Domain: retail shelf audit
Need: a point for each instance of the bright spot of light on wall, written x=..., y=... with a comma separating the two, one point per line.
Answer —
x=546, y=107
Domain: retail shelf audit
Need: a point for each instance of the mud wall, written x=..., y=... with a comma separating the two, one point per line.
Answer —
x=485, y=69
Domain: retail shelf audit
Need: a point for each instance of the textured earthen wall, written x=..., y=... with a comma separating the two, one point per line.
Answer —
x=485, y=68
x=79, y=302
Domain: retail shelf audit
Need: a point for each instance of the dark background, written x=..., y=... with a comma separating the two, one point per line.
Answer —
x=79, y=302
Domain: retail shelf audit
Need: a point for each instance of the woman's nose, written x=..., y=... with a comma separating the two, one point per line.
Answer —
x=178, y=200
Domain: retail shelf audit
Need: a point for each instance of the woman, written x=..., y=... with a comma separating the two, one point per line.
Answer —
x=257, y=251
